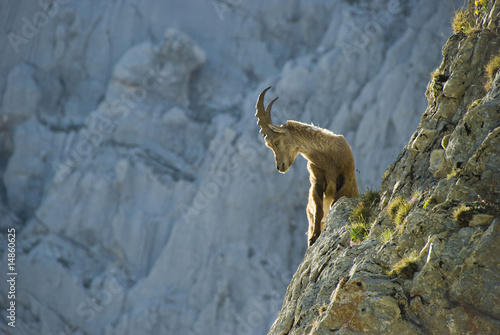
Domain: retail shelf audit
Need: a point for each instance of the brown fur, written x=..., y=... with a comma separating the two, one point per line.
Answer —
x=330, y=162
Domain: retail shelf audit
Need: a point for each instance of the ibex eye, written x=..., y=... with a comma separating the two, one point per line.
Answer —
x=277, y=143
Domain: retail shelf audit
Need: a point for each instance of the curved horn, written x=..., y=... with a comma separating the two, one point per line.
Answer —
x=264, y=115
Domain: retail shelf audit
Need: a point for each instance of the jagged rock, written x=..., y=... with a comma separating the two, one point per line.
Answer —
x=28, y=170
x=433, y=276
x=22, y=94
x=437, y=164
x=423, y=139
x=157, y=71
x=9, y=219
x=341, y=287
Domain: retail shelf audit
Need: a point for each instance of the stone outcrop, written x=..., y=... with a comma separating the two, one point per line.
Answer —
x=438, y=273
x=131, y=166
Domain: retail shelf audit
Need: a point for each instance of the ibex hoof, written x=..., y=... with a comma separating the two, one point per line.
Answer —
x=312, y=240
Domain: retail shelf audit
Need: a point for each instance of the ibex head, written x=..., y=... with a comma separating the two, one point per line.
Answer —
x=278, y=138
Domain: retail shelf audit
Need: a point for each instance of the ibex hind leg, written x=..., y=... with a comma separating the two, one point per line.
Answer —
x=348, y=191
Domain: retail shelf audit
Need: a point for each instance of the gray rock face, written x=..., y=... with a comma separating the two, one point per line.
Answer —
x=438, y=272
x=143, y=197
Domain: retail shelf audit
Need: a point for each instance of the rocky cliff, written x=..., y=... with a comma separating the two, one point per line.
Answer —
x=131, y=166
x=428, y=260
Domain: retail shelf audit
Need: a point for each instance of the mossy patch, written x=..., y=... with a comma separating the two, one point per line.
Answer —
x=431, y=201
x=455, y=173
x=437, y=82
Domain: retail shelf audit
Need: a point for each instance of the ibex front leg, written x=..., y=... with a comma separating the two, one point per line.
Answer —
x=315, y=204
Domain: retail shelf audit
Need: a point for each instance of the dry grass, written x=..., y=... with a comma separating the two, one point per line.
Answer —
x=362, y=215
x=406, y=267
x=461, y=22
x=386, y=235
x=398, y=209
x=491, y=70
x=463, y=214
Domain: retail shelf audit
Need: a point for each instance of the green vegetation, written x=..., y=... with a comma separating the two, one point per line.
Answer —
x=358, y=231
x=393, y=206
x=462, y=22
x=406, y=267
x=437, y=80
x=366, y=208
x=386, y=235
x=399, y=208
x=429, y=201
x=481, y=6
x=454, y=173
x=463, y=214
x=491, y=70
x=362, y=215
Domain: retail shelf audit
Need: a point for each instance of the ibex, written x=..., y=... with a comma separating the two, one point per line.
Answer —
x=329, y=161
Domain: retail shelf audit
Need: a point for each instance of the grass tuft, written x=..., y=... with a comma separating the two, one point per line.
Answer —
x=362, y=215
x=359, y=231
x=403, y=212
x=386, y=235
x=491, y=70
x=393, y=207
x=467, y=20
x=430, y=201
x=398, y=209
x=370, y=197
x=406, y=267
x=463, y=214
x=361, y=212
x=461, y=22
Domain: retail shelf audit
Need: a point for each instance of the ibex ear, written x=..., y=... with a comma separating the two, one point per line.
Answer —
x=277, y=129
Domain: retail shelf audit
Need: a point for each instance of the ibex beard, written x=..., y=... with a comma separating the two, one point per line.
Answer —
x=329, y=161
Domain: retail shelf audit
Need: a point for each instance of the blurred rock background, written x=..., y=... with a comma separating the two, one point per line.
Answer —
x=142, y=195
